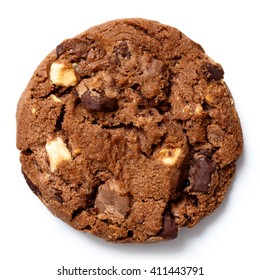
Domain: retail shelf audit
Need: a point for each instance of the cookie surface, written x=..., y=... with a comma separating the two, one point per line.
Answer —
x=129, y=132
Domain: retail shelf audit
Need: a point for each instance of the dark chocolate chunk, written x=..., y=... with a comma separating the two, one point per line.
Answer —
x=95, y=53
x=73, y=46
x=215, y=71
x=108, y=199
x=58, y=196
x=98, y=102
x=170, y=230
x=31, y=185
x=201, y=171
x=122, y=50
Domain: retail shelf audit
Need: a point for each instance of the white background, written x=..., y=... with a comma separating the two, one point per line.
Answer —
x=33, y=243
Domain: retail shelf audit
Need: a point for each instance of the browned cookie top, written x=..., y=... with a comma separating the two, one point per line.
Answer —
x=129, y=132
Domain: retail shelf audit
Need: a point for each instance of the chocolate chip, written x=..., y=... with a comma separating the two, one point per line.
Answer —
x=73, y=46
x=215, y=72
x=201, y=171
x=58, y=196
x=31, y=185
x=170, y=230
x=110, y=201
x=98, y=101
x=122, y=50
x=95, y=53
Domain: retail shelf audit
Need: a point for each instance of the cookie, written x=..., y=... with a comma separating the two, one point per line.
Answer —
x=129, y=132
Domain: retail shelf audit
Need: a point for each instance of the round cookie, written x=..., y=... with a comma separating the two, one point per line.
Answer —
x=129, y=132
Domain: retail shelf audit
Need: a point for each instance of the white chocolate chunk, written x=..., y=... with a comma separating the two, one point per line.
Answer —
x=198, y=109
x=55, y=98
x=209, y=99
x=77, y=151
x=169, y=156
x=62, y=75
x=57, y=152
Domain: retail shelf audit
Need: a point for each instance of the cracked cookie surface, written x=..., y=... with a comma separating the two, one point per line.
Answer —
x=128, y=131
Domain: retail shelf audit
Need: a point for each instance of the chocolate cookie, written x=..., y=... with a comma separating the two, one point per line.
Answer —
x=128, y=131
